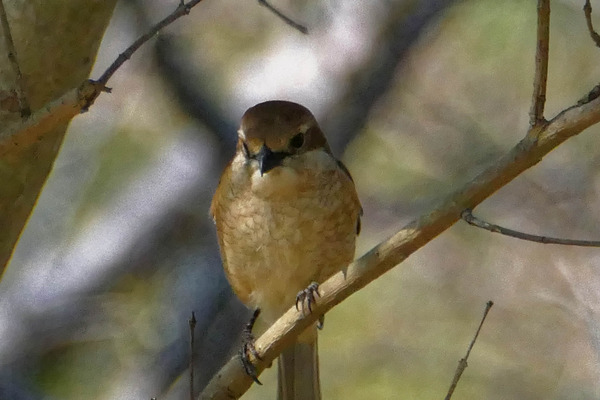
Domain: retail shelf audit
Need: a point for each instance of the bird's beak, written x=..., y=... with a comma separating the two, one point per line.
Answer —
x=267, y=159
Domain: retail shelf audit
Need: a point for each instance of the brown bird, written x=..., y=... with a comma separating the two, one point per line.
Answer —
x=287, y=216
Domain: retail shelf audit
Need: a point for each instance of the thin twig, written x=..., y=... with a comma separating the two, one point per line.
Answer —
x=284, y=17
x=536, y=113
x=231, y=381
x=472, y=220
x=12, y=57
x=181, y=10
x=462, y=364
x=587, y=10
x=192, y=323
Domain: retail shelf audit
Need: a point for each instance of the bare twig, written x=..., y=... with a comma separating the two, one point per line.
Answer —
x=462, y=364
x=472, y=220
x=232, y=382
x=12, y=57
x=192, y=323
x=181, y=10
x=284, y=17
x=587, y=10
x=536, y=113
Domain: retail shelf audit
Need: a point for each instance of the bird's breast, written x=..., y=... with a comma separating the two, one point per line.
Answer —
x=292, y=227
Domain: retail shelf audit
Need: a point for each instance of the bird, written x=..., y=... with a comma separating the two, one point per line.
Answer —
x=287, y=215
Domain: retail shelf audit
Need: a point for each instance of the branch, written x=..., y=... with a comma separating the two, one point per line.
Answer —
x=20, y=135
x=536, y=113
x=472, y=220
x=192, y=324
x=372, y=80
x=462, y=363
x=232, y=382
x=181, y=10
x=284, y=17
x=12, y=57
x=587, y=10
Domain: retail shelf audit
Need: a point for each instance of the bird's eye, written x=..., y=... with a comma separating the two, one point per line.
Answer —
x=297, y=141
x=246, y=151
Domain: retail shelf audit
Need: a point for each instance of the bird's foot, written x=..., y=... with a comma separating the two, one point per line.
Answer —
x=248, y=348
x=307, y=297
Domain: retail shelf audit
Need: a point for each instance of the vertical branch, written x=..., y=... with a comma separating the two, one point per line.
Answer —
x=587, y=10
x=12, y=57
x=536, y=113
x=192, y=323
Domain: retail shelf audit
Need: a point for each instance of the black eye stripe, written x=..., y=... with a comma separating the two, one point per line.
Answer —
x=297, y=141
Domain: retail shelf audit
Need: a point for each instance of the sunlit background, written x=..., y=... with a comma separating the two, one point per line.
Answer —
x=417, y=97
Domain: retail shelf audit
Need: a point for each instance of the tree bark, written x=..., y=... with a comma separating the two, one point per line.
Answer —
x=55, y=44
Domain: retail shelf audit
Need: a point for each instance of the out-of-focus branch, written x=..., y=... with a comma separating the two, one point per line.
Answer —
x=472, y=220
x=536, y=113
x=462, y=364
x=399, y=31
x=190, y=86
x=232, y=382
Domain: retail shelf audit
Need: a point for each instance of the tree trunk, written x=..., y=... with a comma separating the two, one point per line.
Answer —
x=55, y=44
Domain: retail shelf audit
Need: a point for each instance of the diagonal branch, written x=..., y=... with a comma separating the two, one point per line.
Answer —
x=284, y=17
x=462, y=364
x=468, y=216
x=182, y=9
x=536, y=113
x=232, y=382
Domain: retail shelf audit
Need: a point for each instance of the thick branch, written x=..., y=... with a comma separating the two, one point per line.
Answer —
x=536, y=113
x=22, y=134
x=232, y=382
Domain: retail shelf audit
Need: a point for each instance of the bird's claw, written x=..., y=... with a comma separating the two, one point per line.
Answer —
x=248, y=348
x=308, y=297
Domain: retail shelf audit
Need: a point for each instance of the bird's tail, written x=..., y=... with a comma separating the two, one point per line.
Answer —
x=298, y=371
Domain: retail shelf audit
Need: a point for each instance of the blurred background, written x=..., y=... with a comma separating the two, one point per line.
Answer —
x=417, y=97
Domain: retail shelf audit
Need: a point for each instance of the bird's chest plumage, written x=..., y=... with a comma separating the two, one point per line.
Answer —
x=284, y=231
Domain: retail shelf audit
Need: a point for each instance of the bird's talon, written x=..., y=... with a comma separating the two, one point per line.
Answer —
x=307, y=297
x=249, y=348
